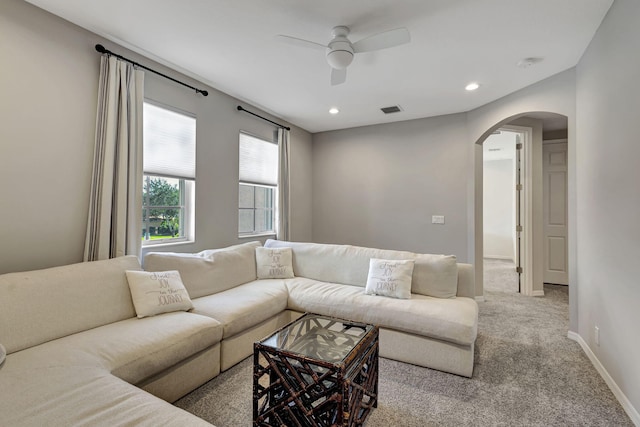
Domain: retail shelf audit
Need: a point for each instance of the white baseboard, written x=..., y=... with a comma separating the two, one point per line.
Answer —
x=480, y=298
x=537, y=294
x=501, y=257
x=624, y=401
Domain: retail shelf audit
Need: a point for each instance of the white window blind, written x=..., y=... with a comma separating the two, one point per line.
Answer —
x=169, y=143
x=258, y=161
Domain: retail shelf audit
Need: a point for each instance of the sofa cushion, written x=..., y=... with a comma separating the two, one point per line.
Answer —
x=274, y=263
x=435, y=276
x=156, y=292
x=453, y=320
x=72, y=396
x=244, y=306
x=42, y=305
x=344, y=264
x=209, y=271
x=389, y=278
x=133, y=349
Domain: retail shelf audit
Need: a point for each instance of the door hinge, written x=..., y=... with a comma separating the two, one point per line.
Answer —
x=519, y=146
x=518, y=187
x=519, y=270
x=519, y=228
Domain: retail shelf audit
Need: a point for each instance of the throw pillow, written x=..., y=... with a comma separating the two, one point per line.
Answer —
x=390, y=278
x=274, y=263
x=435, y=276
x=157, y=292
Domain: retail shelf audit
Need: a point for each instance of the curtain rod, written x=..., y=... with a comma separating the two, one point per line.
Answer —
x=263, y=118
x=102, y=49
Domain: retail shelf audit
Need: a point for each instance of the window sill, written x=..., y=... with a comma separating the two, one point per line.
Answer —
x=257, y=235
x=167, y=244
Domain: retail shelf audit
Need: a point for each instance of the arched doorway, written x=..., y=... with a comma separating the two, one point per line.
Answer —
x=543, y=128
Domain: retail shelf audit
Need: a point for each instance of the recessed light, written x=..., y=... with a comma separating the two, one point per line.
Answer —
x=472, y=86
x=333, y=110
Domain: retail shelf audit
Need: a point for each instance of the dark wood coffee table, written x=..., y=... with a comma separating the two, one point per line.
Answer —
x=316, y=371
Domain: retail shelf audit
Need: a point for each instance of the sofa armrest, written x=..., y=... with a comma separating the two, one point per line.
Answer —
x=466, y=281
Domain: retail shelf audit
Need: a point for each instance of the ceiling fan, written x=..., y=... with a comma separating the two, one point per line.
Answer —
x=340, y=50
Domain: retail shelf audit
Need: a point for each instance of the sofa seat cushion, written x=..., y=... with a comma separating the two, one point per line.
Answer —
x=133, y=349
x=72, y=396
x=244, y=306
x=454, y=320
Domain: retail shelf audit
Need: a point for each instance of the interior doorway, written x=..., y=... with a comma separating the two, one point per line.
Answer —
x=503, y=208
x=538, y=127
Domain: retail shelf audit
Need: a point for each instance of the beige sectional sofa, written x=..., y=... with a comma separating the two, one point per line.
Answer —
x=78, y=355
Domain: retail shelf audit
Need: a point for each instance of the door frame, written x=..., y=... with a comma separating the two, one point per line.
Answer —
x=549, y=142
x=526, y=209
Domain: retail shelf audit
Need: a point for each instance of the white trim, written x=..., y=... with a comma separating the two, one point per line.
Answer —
x=526, y=248
x=617, y=392
x=271, y=234
x=480, y=298
x=555, y=141
x=537, y=294
x=500, y=257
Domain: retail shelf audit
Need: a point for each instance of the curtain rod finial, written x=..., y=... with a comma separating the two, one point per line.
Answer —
x=101, y=48
x=204, y=92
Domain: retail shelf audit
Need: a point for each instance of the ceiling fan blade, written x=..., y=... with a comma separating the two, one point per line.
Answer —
x=338, y=76
x=384, y=40
x=300, y=42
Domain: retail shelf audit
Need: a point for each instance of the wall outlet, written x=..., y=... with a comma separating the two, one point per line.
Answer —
x=597, y=336
x=437, y=219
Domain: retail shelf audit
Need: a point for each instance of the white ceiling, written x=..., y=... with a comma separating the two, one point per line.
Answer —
x=231, y=46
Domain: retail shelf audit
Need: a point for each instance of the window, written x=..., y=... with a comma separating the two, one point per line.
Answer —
x=169, y=141
x=258, y=186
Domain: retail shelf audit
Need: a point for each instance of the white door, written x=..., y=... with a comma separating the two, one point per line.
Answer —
x=554, y=168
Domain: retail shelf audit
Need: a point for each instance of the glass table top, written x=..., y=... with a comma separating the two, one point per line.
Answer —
x=319, y=337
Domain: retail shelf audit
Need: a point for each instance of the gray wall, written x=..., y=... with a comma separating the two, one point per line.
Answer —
x=379, y=185
x=608, y=200
x=49, y=80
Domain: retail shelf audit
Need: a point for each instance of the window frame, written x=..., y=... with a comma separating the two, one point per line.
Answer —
x=274, y=201
x=272, y=210
x=186, y=187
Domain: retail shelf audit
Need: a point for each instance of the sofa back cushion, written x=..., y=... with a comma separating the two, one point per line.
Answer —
x=42, y=305
x=210, y=271
x=433, y=275
x=345, y=264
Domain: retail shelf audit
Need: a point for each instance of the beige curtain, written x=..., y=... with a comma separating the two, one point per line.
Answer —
x=115, y=212
x=284, y=207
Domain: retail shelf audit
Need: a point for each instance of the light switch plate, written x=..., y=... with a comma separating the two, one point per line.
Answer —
x=437, y=219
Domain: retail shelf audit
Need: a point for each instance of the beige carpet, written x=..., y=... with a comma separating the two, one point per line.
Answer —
x=527, y=373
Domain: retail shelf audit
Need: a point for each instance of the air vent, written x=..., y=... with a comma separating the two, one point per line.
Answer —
x=392, y=109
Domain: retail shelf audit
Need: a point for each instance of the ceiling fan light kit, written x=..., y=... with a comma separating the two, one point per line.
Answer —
x=339, y=58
